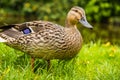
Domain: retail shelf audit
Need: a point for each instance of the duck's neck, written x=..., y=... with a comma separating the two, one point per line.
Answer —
x=68, y=24
x=71, y=29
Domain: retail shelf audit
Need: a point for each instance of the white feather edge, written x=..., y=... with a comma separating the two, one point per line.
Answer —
x=2, y=40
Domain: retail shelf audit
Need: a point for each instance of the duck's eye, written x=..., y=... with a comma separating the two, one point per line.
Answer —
x=76, y=10
x=26, y=31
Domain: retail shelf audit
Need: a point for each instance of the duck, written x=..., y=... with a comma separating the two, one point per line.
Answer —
x=47, y=40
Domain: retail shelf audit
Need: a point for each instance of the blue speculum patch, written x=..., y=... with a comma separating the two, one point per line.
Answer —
x=26, y=31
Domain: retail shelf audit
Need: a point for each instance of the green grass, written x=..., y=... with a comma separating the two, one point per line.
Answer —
x=96, y=61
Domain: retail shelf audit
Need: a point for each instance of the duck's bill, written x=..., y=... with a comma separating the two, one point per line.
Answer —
x=84, y=22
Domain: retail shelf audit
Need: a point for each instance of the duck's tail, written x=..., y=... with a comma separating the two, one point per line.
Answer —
x=2, y=29
x=6, y=27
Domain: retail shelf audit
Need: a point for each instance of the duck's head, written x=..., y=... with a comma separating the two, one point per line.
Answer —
x=75, y=15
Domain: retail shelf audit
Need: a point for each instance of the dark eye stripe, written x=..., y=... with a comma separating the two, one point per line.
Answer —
x=76, y=11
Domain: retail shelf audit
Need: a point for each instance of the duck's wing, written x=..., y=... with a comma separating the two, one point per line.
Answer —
x=23, y=29
x=32, y=36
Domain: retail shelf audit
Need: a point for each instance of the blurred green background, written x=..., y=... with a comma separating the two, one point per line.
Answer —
x=104, y=15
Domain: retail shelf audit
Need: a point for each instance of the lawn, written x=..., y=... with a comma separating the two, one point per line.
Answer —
x=95, y=61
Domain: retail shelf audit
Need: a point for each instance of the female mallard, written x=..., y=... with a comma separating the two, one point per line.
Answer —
x=47, y=40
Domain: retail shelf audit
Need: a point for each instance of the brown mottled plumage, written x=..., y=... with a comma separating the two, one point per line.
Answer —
x=47, y=40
